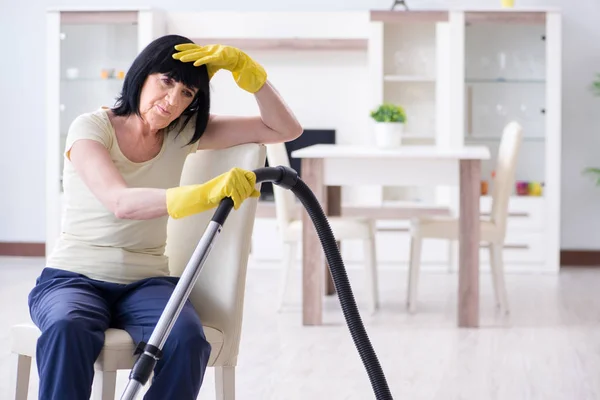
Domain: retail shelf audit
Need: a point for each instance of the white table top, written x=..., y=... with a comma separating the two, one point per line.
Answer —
x=403, y=152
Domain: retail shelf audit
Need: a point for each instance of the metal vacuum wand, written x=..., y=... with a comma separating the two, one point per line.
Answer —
x=151, y=352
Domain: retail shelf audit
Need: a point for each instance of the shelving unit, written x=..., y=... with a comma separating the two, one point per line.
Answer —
x=512, y=72
x=276, y=44
x=462, y=75
x=88, y=54
x=404, y=55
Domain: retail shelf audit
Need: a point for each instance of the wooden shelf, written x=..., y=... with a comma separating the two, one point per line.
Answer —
x=271, y=44
x=508, y=16
x=471, y=17
x=99, y=17
x=409, y=16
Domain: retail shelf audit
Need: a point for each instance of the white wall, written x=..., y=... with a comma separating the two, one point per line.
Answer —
x=580, y=211
x=22, y=108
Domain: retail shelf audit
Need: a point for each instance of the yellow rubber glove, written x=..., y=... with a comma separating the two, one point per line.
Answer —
x=247, y=73
x=186, y=200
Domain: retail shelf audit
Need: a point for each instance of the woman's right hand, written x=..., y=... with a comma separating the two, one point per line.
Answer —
x=237, y=183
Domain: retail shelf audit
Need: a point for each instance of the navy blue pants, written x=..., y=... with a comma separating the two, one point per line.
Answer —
x=73, y=312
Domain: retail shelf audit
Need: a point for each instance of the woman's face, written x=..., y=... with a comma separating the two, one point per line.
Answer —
x=163, y=100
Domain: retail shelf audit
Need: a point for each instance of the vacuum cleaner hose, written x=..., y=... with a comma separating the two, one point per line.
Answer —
x=151, y=352
x=288, y=178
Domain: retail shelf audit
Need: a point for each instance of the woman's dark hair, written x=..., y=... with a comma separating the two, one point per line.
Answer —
x=157, y=58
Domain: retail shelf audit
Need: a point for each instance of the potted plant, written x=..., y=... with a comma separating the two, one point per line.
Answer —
x=389, y=125
x=596, y=85
x=594, y=172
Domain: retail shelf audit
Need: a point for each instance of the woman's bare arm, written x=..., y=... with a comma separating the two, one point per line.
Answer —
x=93, y=164
x=275, y=124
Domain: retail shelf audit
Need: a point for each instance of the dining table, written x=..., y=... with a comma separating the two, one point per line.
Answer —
x=325, y=166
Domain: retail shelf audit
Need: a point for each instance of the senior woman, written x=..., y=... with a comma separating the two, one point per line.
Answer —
x=121, y=184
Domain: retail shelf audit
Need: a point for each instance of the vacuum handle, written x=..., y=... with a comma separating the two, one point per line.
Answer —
x=283, y=176
x=223, y=210
x=268, y=174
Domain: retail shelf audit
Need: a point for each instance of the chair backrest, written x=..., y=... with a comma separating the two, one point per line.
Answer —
x=504, y=180
x=285, y=203
x=218, y=295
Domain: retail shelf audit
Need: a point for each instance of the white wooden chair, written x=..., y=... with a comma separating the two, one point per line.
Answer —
x=218, y=295
x=493, y=228
x=343, y=228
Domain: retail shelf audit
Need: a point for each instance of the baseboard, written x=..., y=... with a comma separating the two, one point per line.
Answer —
x=568, y=258
x=580, y=258
x=22, y=249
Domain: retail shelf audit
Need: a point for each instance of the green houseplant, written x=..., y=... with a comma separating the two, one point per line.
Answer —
x=389, y=125
x=594, y=172
x=596, y=85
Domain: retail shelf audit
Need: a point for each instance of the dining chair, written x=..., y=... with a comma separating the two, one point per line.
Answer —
x=218, y=295
x=492, y=228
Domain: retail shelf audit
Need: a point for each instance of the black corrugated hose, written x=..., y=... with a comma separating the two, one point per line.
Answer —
x=288, y=178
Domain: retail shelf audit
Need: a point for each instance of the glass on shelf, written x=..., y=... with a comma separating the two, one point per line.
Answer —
x=501, y=110
x=104, y=74
x=413, y=62
x=501, y=69
x=94, y=58
x=509, y=67
x=401, y=62
x=505, y=52
x=489, y=107
x=485, y=64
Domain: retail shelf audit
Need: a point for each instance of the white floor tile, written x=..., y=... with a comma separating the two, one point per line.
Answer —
x=548, y=348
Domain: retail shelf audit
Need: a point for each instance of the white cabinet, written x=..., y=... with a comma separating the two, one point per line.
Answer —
x=512, y=71
x=405, y=51
x=462, y=75
x=88, y=54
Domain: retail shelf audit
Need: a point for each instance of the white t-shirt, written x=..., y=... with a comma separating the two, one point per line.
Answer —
x=93, y=241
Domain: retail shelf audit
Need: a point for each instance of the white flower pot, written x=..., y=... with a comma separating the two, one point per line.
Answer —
x=388, y=134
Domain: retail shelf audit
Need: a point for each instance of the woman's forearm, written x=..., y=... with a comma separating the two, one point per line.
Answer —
x=275, y=113
x=140, y=203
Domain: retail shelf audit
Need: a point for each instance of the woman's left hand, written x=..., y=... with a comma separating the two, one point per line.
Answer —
x=248, y=74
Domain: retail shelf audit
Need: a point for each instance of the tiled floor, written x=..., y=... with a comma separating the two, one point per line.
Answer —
x=548, y=348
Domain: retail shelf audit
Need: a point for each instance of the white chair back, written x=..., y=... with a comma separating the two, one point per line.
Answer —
x=218, y=295
x=284, y=199
x=504, y=181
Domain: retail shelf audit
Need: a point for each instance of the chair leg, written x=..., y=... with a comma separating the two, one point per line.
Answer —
x=453, y=256
x=105, y=384
x=23, y=372
x=413, y=272
x=225, y=383
x=290, y=251
x=372, y=281
x=497, y=269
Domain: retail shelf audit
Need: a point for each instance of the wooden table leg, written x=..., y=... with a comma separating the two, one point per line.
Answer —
x=334, y=208
x=313, y=257
x=469, y=234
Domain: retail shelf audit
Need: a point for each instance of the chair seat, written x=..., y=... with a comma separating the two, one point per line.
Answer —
x=342, y=228
x=442, y=227
x=117, y=352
